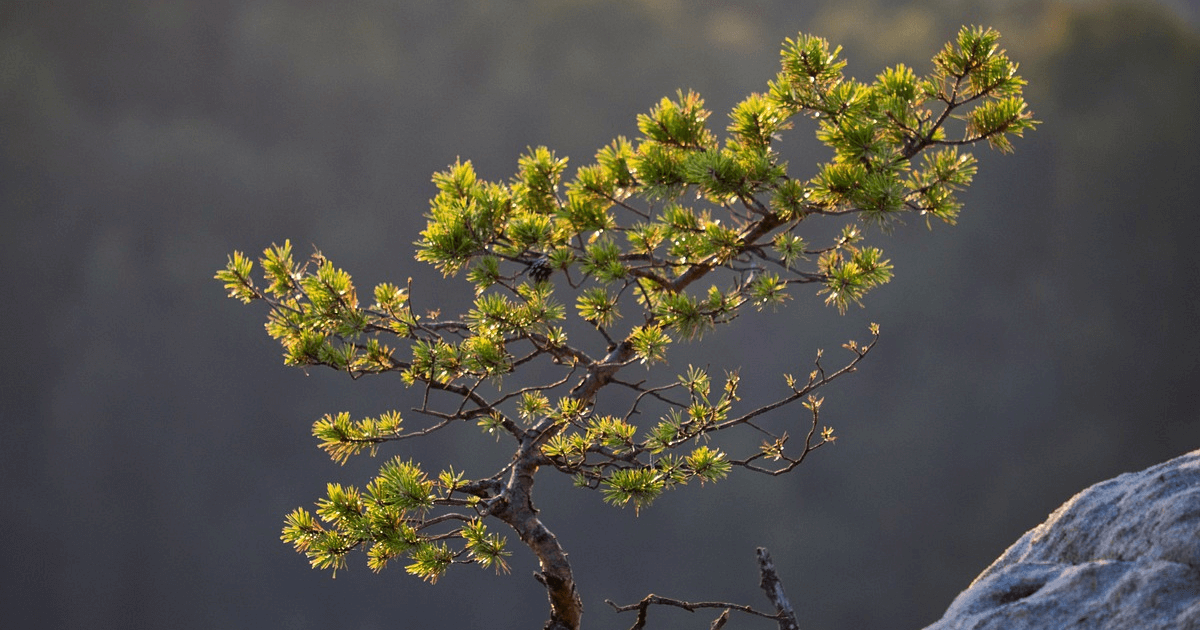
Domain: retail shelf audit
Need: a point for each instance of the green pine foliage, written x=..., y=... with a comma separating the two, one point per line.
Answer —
x=662, y=238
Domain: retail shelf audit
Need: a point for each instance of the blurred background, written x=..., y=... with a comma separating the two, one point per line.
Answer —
x=152, y=440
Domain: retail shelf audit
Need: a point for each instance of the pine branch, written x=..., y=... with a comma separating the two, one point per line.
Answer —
x=618, y=256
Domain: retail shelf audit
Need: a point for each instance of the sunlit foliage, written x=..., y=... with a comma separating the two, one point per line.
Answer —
x=664, y=237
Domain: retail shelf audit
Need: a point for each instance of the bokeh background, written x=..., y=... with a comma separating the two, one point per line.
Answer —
x=152, y=440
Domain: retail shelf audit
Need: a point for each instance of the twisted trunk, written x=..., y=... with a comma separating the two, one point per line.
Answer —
x=514, y=506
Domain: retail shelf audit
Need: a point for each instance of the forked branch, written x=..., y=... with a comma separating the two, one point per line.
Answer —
x=770, y=583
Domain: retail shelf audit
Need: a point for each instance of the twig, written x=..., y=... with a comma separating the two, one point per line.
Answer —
x=770, y=584
x=655, y=600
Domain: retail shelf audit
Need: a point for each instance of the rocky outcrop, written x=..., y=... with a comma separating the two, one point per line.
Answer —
x=1122, y=554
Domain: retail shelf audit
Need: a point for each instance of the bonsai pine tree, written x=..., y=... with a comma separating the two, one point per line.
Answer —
x=661, y=239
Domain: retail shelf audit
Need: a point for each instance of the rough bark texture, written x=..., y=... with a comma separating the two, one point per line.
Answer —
x=515, y=507
x=771, y=585
x=1122, y=554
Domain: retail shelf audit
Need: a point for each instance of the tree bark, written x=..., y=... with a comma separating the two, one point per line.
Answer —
x=515, y=507
x=771, y=585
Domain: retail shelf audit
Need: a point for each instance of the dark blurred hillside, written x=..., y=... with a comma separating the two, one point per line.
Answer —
x=152, y=440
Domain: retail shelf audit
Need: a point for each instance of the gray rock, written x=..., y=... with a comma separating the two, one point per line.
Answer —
x=1122, y=554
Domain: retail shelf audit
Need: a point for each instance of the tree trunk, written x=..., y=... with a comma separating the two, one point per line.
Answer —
x=515, y=507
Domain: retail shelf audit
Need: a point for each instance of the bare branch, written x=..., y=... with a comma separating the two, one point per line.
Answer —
x=769, y=582
x=453, y=516
x=778, y=448
x=415, y=434
x=654, y=600
x=535, y=388
x=653, y=391
x=820, y=379
x=771, y=585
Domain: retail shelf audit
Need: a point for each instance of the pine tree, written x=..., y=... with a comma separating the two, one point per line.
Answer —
x=661, y=239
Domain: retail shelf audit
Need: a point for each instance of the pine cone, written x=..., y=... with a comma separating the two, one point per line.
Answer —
x=540, y=269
